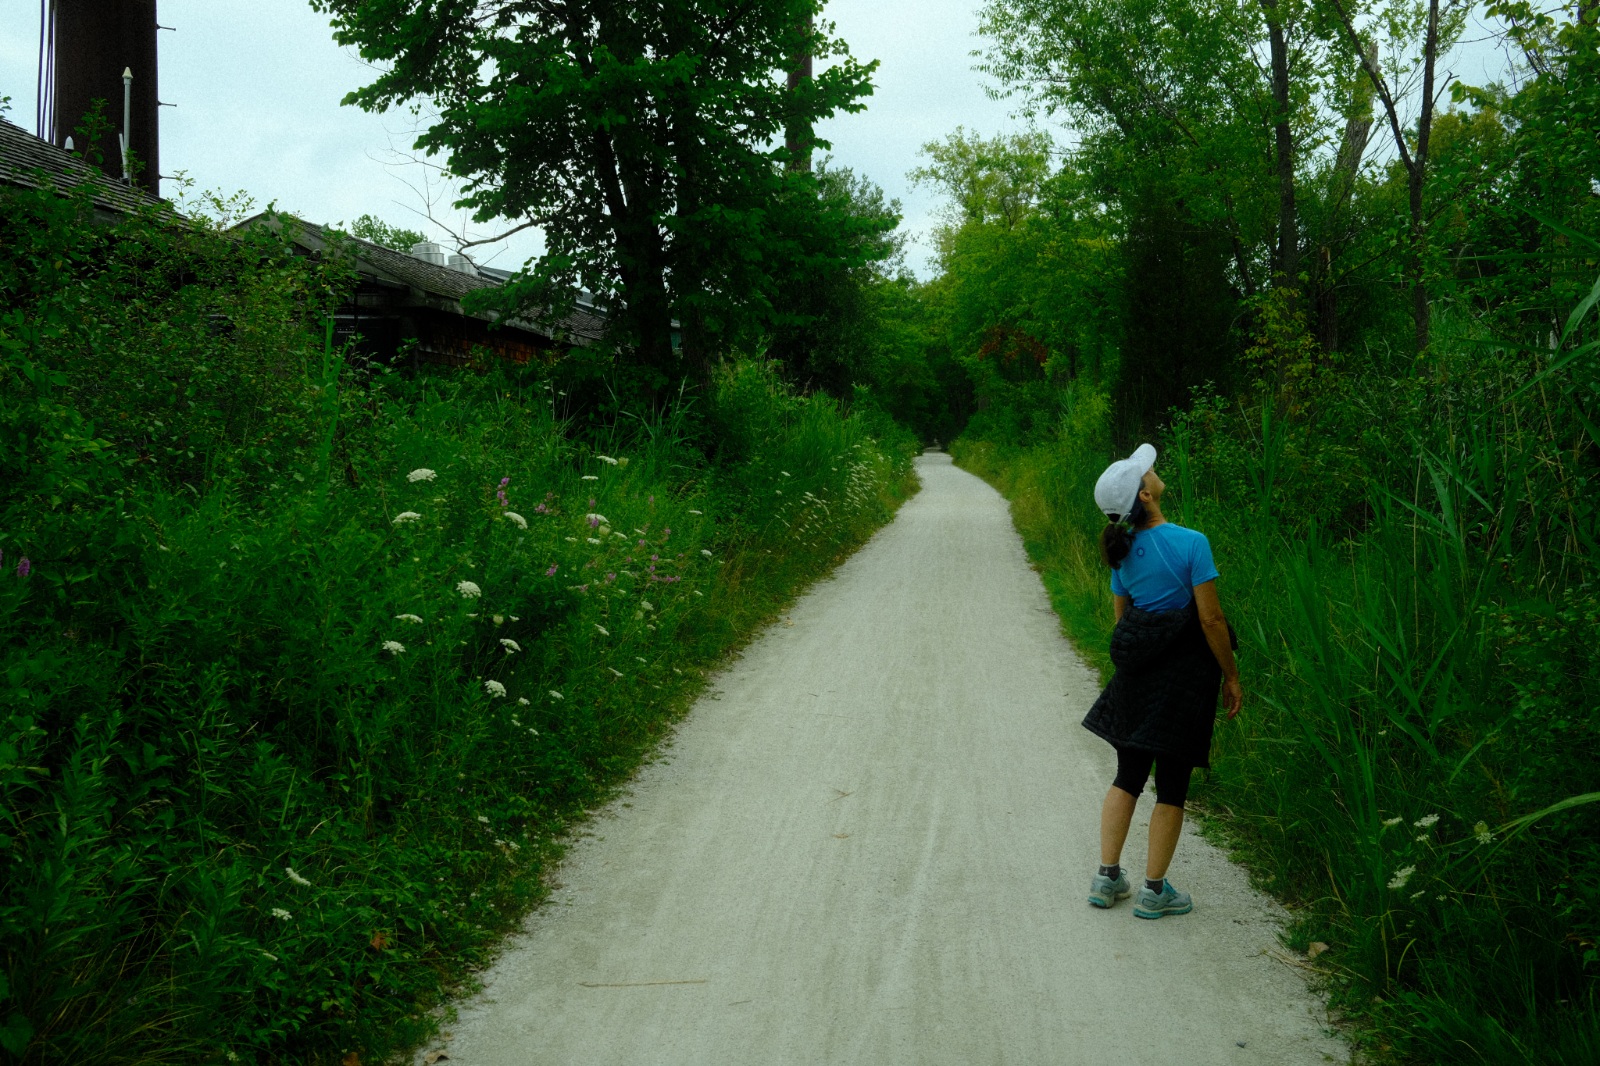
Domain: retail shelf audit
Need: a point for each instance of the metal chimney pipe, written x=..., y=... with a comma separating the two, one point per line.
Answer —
x=127, y=122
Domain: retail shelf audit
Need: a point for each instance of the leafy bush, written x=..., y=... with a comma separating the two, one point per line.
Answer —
x=307, y=669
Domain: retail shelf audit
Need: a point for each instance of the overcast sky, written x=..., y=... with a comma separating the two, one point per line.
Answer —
x=257, y=85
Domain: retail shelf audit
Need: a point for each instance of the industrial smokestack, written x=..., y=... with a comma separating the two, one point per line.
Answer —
x=95, y=41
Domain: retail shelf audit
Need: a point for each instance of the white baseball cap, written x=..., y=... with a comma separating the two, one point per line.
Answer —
x=1118, y=488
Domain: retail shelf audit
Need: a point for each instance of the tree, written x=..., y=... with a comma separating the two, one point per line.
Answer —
x=644, y=138
x=374, y=229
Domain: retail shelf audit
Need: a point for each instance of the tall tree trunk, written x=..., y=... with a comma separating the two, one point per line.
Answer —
x=1346, y=169
x=1287, y=258
x=1421, y=310
x=1416, y=163
x=798, y=134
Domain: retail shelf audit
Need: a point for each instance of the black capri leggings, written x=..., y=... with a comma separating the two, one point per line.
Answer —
x=1172, y=778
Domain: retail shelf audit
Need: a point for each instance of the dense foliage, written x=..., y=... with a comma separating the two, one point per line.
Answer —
x=304, y=667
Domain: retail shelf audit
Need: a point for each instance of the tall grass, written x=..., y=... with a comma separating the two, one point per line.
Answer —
x=307, y=672
x=1409, y=560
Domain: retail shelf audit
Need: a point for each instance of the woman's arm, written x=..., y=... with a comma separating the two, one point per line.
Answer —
x=1215, y=625
x=1119, y=604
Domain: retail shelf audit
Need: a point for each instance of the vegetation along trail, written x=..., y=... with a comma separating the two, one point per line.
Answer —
x=869, y=842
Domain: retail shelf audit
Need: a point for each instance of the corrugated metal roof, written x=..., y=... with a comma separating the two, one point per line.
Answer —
x=23, y=157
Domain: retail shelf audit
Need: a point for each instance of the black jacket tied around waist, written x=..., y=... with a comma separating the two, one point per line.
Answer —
x=1163, y=696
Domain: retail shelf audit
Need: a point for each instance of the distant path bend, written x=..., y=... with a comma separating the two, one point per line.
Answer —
x=869, y=846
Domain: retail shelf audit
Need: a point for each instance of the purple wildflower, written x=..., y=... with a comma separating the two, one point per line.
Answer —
x=551, y=572
x=24, y=568
x=594, y=521
x=591, y=503
x=610, y=578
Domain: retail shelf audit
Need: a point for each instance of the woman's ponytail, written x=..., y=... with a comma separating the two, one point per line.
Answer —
x=1116, y=540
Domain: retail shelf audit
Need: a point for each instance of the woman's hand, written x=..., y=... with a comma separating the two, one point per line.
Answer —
x=1232, y=697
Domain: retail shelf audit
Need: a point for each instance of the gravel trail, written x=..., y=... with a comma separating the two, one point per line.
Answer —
x=868, y=845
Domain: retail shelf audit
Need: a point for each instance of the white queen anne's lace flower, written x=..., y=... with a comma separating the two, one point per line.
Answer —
x=406, y=516
x=517, y=520
x=588, y=477
x=705, y=552
x=510, y=645
x=556, y=695
x=522, y=701
x=281, y=914
x=1401, y=876
x=494, y=688
x=1481, y=832
x=394, y=646
x=468, y=589
x=296, y=878
x=421, y=473
x=604, y=632
x=606, y=459
x=415, y=620
x=1427, y=821
x=596, y=519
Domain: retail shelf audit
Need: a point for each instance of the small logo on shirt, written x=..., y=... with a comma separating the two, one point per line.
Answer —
x=1139, y=552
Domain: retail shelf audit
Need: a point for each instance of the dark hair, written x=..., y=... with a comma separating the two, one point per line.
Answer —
x=1116, y=540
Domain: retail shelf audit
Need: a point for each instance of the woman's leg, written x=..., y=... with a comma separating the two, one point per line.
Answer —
x=1116, y=813
x=1166, y=824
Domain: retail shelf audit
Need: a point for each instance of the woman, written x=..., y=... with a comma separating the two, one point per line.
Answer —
x=1172, y=648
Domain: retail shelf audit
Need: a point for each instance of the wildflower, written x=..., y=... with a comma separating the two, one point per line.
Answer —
x=588, y=477
x=610, y=578
x=405, y=516
x=421, y=473
x=1401, y=876
x=556, y=695
x=415, y=620
x=1481, y=831
x=1427, y=821
x=692, y=511
x=606, y=459
x=280, y=913
x=572, y=540
x=705, y=552
x=604, y=632
x=591, y=503
x=639, y=659
x=498, y=618
x=596, y=520
x=615, y=671
x=552, y=571
x=482, y=819
x=469, y=590
x=592, y=540
x=623, y=461
x=394, y=646
x=1396, y=820
x=603, y=531
x=494, y=688
x=296, y=878
x=509, y=644
x=646, y=604
x=517, y=520
x=522, y=701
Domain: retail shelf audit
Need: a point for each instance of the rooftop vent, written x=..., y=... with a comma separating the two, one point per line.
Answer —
x=428, y=252
x=463, y=264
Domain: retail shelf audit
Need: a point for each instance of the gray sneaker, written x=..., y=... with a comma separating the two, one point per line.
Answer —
x=1160, y=904
x=1103, y=891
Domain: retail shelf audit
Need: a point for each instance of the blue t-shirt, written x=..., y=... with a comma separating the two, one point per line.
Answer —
x=1163, y=567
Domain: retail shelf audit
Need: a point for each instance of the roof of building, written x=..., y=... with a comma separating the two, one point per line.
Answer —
x=30, y=163
x=430, y=284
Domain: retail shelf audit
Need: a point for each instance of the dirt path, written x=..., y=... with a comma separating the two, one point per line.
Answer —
x=869, y=846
